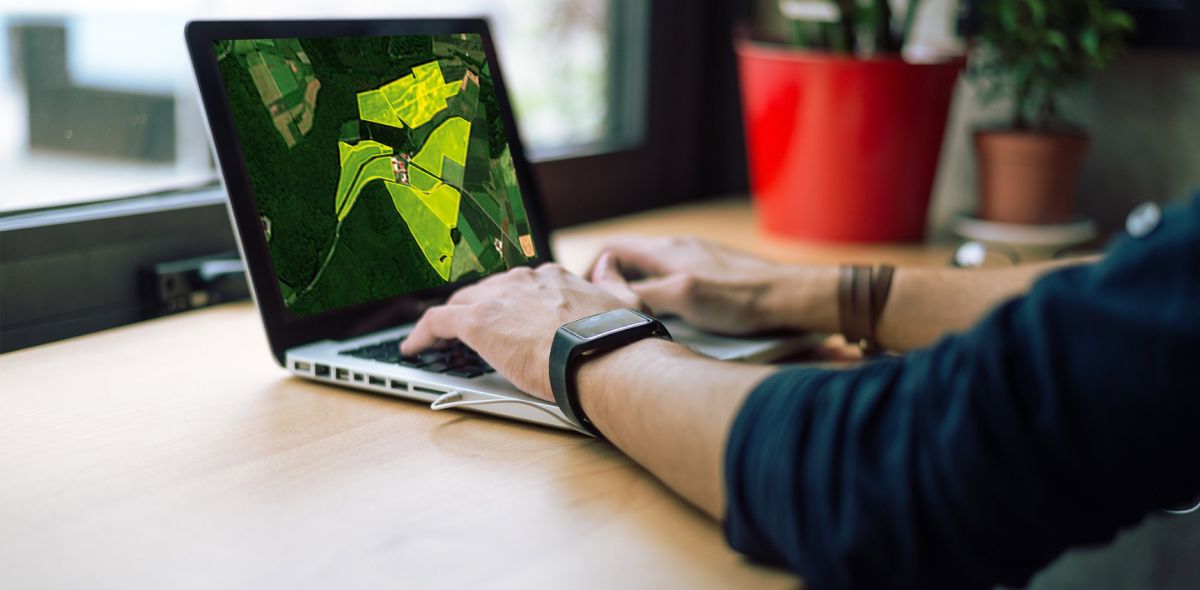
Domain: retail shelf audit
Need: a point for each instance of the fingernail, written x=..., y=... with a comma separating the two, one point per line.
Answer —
x=601, y=263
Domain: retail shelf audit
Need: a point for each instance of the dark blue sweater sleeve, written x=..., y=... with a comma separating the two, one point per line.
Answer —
x=1063, y=416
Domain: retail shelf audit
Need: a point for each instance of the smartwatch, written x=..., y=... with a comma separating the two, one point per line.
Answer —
x=592, y=335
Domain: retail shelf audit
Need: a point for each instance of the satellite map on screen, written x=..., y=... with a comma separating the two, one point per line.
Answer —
x=379, y=165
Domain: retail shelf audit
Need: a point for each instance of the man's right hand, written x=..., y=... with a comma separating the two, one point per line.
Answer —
x=716, y=288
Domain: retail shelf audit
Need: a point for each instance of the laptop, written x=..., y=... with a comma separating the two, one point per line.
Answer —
x=372, y=168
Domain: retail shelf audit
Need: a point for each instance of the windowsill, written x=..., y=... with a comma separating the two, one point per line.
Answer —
x=207, y=194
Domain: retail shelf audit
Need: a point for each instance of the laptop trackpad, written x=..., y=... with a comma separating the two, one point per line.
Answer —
x=753, y=349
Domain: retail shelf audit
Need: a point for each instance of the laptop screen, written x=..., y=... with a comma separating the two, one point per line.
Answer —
x=380, y=165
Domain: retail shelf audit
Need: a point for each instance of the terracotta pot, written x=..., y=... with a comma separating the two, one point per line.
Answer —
x=1028, y=177
x=842, y=148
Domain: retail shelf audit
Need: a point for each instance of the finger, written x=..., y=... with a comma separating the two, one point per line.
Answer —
x=664, y=294
x=603, y=269
x=444, y=322
x=637, y=256
x=607, y=276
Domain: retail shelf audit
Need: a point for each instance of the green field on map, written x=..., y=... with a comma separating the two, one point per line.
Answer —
x=379, y=164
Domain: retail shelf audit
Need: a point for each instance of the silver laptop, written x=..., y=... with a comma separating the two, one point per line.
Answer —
x=372, y=168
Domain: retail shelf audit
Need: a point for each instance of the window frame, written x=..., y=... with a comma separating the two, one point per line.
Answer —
x=71, y=270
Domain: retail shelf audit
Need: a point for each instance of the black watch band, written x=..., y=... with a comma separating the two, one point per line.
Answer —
x=591, y=335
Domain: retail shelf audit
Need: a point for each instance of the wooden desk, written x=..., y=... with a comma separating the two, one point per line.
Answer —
x=175, y=453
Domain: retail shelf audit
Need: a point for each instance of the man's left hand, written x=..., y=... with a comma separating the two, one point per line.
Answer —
x=510, y=319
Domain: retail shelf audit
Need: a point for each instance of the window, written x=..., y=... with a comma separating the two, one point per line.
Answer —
x=635, y=107
x=99, y=97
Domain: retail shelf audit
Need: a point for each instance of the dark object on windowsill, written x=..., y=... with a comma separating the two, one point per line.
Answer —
x=171, y=287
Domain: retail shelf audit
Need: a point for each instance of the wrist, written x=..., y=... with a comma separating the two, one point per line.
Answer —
x=620, y=369
x=802, y=298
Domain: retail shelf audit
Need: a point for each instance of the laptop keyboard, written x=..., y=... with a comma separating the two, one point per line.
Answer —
x=454, y=358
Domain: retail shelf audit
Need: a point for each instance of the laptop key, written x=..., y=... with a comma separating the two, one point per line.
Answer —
x=467, y=372
x=436, y=367
x=456, y=362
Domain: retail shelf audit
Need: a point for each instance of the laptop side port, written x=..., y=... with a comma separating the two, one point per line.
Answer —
x=358, y=377
x=373, y=380
x=302, y=366
x=419, y=389
x=343, y=374
x=399, y=385
x=322, y=370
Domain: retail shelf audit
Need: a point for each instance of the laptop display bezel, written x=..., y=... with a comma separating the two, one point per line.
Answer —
x=284, y=329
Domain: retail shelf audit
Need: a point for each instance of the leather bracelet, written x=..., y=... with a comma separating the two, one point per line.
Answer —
x=862, y=295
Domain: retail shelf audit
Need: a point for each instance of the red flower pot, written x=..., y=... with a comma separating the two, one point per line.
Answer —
x=842, y=148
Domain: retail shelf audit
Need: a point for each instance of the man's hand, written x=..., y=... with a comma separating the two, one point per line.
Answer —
x=667, y=407
x=510, y=320
x=718, y=288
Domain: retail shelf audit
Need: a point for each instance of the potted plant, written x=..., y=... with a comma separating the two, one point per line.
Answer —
x=843, y=132
x=1032, y=51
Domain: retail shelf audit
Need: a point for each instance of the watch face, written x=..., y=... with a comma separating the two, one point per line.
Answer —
x=605, y=323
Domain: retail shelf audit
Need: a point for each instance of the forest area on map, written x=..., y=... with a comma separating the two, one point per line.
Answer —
x=379, y=165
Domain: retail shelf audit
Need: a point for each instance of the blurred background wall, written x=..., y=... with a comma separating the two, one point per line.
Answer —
x=1144, y=119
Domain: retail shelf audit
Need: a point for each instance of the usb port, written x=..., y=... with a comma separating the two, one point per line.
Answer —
x=343, y=374
x=322, y=370
x=373, y=380
x=302, y=366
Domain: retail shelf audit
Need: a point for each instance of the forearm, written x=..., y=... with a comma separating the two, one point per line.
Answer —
x=670, y=410
x=924, y=305
x=928, y=303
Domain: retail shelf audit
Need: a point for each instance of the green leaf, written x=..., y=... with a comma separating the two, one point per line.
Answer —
x=1010, y=17
x=1047, y=62
x=1089, y=41
x=1120, y=21
x=1037, y=12
x=1056, y=40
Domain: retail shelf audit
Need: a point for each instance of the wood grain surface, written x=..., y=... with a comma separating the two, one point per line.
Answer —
x=175, y=454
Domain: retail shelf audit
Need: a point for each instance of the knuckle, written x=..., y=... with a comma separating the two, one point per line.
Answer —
x=430, y=313
x=459, y=295
x=688, y=283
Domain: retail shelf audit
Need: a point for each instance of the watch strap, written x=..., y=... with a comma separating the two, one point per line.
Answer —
x=567, y=350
